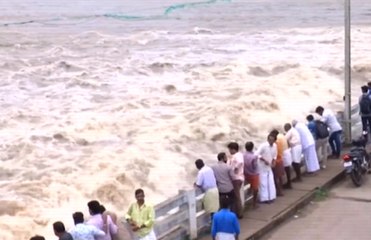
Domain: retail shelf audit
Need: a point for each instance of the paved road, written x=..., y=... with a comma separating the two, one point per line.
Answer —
x=344, y=214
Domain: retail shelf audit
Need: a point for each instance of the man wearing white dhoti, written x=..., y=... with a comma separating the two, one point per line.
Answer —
x=308, y=146
x=293, y=139
x=267, y=153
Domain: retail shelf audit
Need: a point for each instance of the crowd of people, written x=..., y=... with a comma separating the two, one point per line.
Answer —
x=265, y=168
x=103, y=224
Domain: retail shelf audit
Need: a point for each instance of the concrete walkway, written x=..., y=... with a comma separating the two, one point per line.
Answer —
x=258, y=222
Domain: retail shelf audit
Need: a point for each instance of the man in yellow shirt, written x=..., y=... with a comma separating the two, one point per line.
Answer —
x=141, y=217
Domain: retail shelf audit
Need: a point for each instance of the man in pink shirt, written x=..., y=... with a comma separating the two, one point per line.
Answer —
x=100, y=221
x=238, y=178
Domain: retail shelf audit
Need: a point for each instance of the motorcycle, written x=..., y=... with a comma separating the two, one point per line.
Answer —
x=357, y=161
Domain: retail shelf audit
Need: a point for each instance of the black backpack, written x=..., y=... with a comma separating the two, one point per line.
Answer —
x=321, y=129
x=365, y=105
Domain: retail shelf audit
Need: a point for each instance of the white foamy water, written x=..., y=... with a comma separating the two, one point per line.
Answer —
x=101, y=97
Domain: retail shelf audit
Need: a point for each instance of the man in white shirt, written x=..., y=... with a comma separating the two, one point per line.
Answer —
x=293, y=139
x=207, y=183
x=329, y=118
x=267, y=153
x=83, y=231
x=308, y=146
x=237, y=163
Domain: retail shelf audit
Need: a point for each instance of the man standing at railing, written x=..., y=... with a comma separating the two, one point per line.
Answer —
x=330, y=119
x=237, y=163
x=279, y=168
x=251, y=171
x=365, y=109
x=223, y=175
x=267, y=154
x=207, y=183
x=141, y=217
x=293, y=139
x=308, y=147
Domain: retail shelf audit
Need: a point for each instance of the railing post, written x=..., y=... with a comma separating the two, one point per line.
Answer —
x=347, y=74
x=191, y=196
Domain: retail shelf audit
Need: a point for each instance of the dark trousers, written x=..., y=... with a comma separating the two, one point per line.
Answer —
x=366, y=124
x=335, y=143
x=231, y=198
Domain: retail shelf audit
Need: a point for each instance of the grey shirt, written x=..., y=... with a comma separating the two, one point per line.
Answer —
x=223, y=175
x=66, y=236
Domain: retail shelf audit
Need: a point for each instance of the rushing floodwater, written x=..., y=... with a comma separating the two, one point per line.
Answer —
x=101, y=97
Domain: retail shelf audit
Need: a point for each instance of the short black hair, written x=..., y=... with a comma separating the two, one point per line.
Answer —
x=37, y=237
x=59, y=227
x=78, y=217
x=364, y=89
x=199, y=163
x=369, y=84
x=138, y=191
x=233, y=145
x=249, y=146
x=221, y=156
x=274, y=132
x=273, y=136
x=319, y=109
x=310, y=118
x=95, y=207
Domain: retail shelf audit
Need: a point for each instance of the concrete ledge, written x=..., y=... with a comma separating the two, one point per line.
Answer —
x=290, y=211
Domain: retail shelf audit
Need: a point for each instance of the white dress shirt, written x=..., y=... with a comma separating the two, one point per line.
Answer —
x=82, y=231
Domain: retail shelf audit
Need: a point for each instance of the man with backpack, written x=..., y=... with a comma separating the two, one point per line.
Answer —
x=365, y=108
x=328, y=117
x=320, y=134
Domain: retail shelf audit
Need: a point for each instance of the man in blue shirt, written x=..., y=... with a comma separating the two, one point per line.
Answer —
x=312, y=126
x=225, y=223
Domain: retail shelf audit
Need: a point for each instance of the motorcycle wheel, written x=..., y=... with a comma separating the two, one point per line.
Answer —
x=356, y=177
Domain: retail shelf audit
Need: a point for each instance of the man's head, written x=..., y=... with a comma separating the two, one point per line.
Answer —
x=271, y=139
x=222, y=157
x=369, y=84
x=310, y=118
x=249, y=146
x=139, y=196
x=78, y=217
x=37, y=237
x=287, y=127
x=233, y=147
x=274, y=132
x=94, y=207
x=224, y=202
x=364, y=89
x=199, y=164
x=59, y=229
x=319, y=110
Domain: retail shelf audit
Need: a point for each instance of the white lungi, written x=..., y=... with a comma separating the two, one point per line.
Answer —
x=311, y=159
x=150, y=236
x=296, y=152
x=225, y=236
x=287, y=159
x=267, y=189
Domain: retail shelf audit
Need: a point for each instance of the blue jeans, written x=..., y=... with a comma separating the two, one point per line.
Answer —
x=335, y=143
